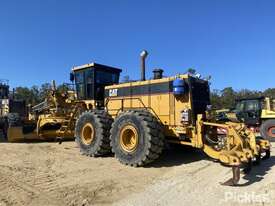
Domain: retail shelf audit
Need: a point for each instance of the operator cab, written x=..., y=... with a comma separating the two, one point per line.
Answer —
x=249, y=110
x=4, y=89
x=90, y=80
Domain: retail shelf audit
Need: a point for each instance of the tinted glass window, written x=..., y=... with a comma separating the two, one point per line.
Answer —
x=106, y=77
x=89, y=82
x=79, y=77
x=80, y=89
x=240, y=106
x=252, y=105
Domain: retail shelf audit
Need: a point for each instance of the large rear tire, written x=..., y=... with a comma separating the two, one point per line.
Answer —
x=267, y=129
x=136, y=138
x=92, y=133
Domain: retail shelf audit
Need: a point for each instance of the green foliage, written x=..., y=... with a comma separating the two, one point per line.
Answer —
x=35, y=94
x=225, y=99
x=30, y=95
x=63, y=88
x=270, y=92
x=44, y=91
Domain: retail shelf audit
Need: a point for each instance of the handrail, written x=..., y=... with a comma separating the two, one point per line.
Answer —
x=129, y=98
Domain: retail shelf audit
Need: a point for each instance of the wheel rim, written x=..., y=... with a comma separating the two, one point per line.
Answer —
x=87, y=134
x=128, y=138
x=271, y=131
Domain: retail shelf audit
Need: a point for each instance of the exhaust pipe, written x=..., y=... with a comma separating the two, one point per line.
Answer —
x=143, y=56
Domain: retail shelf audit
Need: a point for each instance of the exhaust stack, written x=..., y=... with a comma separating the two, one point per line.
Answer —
x=143, y=56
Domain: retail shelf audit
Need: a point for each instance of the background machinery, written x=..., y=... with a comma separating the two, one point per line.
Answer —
x=55, y=117
x=52, y=119
x=12, y=112
x=134, y=119
x=257, y=113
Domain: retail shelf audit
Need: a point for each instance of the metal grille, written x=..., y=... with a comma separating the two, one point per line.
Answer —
x=200, y=96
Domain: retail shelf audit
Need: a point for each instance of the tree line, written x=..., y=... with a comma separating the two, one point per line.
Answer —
x=220, y=99
x=35, y=94
x=225, y=98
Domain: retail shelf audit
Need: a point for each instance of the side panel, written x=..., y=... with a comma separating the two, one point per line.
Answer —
x=154, y=95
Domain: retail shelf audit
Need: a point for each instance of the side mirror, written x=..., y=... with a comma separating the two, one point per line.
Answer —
x=71, y=77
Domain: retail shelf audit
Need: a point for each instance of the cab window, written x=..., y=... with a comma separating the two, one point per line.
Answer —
x=80, y=87
x=240, y=106
x=252, y=105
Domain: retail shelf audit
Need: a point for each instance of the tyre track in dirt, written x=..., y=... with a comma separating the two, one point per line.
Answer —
x=25, y=184
x=50, y=174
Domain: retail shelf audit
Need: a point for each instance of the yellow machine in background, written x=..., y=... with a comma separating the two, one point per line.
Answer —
x=50, y=120
x=256, y=113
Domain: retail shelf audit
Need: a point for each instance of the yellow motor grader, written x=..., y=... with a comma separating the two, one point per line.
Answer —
x=52, y=119
x=135, y=119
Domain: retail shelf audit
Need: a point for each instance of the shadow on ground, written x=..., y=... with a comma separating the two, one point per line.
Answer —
x=177, y=155
x=258, y=172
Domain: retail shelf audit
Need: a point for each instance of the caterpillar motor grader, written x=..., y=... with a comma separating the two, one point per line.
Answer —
x=135, y=119
x=50, y=120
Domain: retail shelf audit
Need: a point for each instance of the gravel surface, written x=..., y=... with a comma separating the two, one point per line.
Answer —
x=52, y=174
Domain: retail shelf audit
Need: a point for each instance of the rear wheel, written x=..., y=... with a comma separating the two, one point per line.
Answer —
x=92, y=133
x=136, y=138
x=267, y=129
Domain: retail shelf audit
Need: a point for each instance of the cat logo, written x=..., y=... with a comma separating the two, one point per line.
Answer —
x=113, y=92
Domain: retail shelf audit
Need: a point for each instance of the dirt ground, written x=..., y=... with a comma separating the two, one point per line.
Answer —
x=52, y=174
